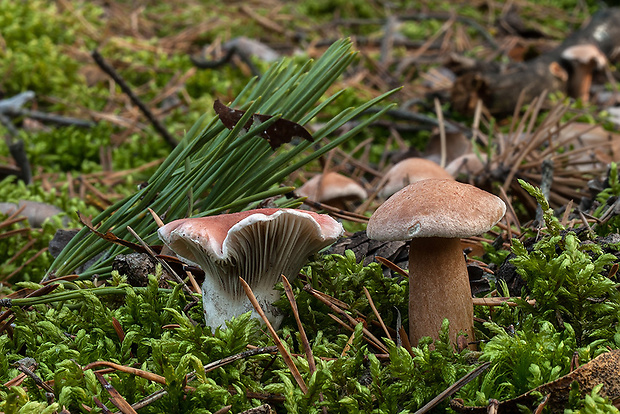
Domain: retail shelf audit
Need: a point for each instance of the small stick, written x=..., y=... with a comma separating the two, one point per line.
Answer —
x=542, y=404
x=392, y=266
x=193, y=282
x=128, y=370
x=325, y=297
x=159, y=127
x=6, y=326
x=250, y=352
x=567, y=210
x=10, y=221
x=404, y=340
x=21, y=251
x=514, y=218
x=302, y=333
x=376, y=312
x=336, y=212
x=14, y=215
x=351, y=329
x=266, y=22
x=15, y=381
x=454, y=387
x=156, y=217
x=56, y=119
x=26, y=263
x=26, y=370
x=498, y=301
x=118, y=329
x=352, y=321
x=99, y=404
x=18, y=152
x=149, y=399
x=285, y=355
x=115, y=398
x=229, y=359
x=4, y=120
x=96, y=192
x=585, y=222
x=442, y=133
x=347, y=346
x=476, y=127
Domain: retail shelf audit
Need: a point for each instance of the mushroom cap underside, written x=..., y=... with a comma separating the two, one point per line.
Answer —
x=214, y=235
x=257, y=245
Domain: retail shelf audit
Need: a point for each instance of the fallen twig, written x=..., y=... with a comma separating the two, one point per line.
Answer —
x=454, y=388
x=115, y=398
x=392, y=266
x=302, y=333
x=376, y=312
x=283, y=351
x=159, y=127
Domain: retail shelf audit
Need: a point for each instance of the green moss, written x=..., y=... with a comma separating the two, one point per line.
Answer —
x=35, y=35
x=343, y=8
x=592, y=403
x=344, y=278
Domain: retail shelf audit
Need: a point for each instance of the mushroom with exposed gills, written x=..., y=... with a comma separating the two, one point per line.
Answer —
x=435, y=214
x=257, y=245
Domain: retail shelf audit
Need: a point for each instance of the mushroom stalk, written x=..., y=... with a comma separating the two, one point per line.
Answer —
x=581, y=81
x=438, y=288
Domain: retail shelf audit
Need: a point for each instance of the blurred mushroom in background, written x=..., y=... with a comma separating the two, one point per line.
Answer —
x=407, y=172
x=333, y=189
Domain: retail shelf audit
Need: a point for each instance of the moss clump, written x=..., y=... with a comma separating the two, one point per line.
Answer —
x=35, y=36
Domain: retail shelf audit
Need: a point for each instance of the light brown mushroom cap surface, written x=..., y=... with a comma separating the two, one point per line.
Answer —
x=470, y=164
x=331, y=186
x=585, y=53
x=436, y=208
x=409, y=171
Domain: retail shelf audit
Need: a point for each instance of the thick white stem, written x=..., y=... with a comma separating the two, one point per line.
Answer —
x=220, y=305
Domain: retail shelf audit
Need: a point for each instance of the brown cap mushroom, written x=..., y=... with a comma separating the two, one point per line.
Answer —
x=409, y=171
x=584, y=58
x=332, y=188
x=470, y=164
x=257, y=245
x=435, y=214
